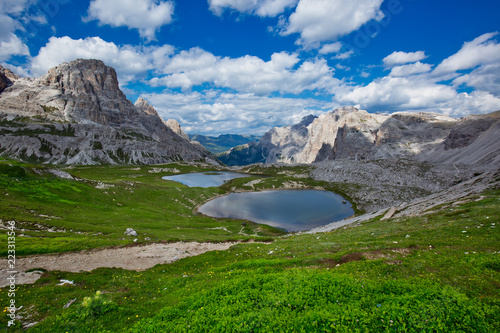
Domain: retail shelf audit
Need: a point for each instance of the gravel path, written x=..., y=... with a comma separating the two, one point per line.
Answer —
x=133, y=258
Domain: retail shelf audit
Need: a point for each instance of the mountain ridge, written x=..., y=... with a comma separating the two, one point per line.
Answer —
x=348, y=133
x=222, y=142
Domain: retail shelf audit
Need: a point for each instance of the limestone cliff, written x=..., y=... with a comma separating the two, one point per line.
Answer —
x=173, y=124
x=77, y=114
x=7, y=78
x=351, y=134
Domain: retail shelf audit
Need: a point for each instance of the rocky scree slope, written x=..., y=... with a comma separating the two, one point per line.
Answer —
x=77, y=114
x=351, y=134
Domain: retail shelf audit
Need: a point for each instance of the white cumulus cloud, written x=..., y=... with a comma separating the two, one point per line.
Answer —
x=400, y=58
x=476, y=102
x=331, y=48
x=481, y=51
x=147, y=16
x=263, y=8
x=484, y=78
x=411, y=69
x=398, y=93
x=129, y=61
x=284, y=72
x=215, y=112
x=12, y=45
x=476, y=64
x=325, y=20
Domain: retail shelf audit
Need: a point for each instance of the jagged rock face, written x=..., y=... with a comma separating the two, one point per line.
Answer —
x=6, y=78
x=474, y=140
x=90, y=91
x=144, y=106
x=76, y=114
x=173, y=124
x=351, y=134
x=176, y=128
x=466, y=132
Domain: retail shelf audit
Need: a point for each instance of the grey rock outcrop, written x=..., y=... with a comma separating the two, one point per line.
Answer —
x=173, y=124
x=77, y=114
x=7, y=78
x=144, y=106
x=351, y=134
x=474, y=140
x=176, y=128
x=130, y=232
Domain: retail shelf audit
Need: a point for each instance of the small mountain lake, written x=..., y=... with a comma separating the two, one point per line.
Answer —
x=205, y=179
x=291, y=210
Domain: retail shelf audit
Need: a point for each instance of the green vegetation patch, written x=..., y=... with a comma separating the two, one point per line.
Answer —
x=321, y=301
x=96, y=207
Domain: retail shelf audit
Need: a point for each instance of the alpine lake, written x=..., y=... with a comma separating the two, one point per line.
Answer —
x=289, y=210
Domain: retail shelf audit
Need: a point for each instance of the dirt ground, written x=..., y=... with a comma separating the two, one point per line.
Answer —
x=133, y=258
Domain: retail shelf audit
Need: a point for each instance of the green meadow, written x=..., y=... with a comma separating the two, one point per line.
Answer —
x=438, y=272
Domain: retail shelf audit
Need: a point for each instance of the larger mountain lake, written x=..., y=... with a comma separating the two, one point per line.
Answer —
x=290, y=210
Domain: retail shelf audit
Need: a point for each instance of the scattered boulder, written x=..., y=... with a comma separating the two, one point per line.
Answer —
x=130, y=232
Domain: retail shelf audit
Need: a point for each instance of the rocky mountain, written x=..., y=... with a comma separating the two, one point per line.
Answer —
x=173, y=124
x=77, y=114
x=351, y=134
x=6, y=78
x=223, y=142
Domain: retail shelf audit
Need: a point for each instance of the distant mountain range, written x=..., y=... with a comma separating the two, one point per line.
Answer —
x=77, y=114
x=223, y=142
x=351, y=134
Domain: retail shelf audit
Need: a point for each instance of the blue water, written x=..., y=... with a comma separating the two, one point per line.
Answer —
x=291, y=210
x=205, y=179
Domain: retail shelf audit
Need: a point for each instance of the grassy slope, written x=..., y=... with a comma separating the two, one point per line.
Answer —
x=96, y=212
x=413, y=274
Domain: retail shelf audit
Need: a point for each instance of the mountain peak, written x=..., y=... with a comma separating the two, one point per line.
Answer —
x=144, y=106
x=306, y=121
x=88, y=76
x=176, y=128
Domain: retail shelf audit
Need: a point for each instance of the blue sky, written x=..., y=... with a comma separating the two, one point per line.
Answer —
x=244, y=66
